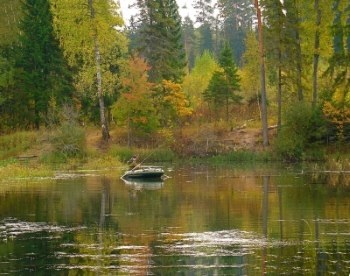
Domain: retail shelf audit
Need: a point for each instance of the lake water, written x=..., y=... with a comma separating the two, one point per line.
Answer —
x=202, y=220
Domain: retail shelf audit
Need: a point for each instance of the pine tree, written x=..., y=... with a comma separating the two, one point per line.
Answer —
x=42, y=72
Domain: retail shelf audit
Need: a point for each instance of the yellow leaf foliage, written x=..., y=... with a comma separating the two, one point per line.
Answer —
x=338, y=110
x=176, y=99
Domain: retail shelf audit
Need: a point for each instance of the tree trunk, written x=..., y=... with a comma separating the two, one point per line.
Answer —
x=298, y=59
x=316, y=54
x=103, y=121
x=262, y=78
x=279, y=90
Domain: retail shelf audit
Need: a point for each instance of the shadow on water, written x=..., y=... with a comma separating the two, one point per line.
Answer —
x=200, y=221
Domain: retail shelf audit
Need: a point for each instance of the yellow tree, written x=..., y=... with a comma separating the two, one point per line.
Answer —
x=88, y=33
x=171, y=103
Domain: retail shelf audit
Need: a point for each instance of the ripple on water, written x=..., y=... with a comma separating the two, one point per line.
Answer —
x=12, y=228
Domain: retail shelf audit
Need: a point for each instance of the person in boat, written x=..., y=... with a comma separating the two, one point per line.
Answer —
x=132, y=162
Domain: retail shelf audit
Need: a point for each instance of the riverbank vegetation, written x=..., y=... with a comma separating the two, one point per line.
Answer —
x=82, y=89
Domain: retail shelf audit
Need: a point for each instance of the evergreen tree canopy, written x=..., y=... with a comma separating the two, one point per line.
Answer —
x=224, y=83
x=161, y=39
x=237, y=18
x=205, y=18
x=41, y=69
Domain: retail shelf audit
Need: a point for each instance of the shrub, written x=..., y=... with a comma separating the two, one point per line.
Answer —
x=69, y=140
x=304, y=127
x=289, y=146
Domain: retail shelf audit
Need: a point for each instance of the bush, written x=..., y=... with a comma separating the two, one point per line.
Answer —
x=69, y=140
x=304, y=128
x=289, y=146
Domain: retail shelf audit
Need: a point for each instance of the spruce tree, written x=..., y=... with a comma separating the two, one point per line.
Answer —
x=225, y=83
x=205, y=18
x=161, y=39
x=237, y=18
x=189, y=41
x=41, y=69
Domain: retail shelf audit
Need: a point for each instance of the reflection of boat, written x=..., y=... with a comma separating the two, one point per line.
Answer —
x=144, y=172
x=146, y=183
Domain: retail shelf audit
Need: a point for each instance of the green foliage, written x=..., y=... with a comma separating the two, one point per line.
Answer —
x=289, y=146
x=123, y=153
x=70, y=140
x=198, y=79
x=16, y=170
x=242, y=156
x=10, y=16
x=189, y=41
x=224, y=84
x=304, y=128
x=216, y=88
x=80, y=35
x=41, y=69
x=249, y=81
x=160, y=40
x=339, y=64
x=236, y=22
x=205, y=18
x=11, y=108
x=53, y=158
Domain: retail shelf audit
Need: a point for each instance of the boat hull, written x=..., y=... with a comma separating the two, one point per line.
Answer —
x=145, y=173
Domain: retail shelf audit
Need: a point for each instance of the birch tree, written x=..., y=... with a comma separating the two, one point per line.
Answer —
x=87, y=30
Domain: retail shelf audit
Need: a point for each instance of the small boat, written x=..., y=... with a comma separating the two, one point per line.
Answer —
x=144, y=172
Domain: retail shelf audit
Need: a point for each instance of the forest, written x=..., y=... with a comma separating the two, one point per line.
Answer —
x=164, y=79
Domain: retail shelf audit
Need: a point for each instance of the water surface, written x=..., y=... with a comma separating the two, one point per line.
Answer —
x=202, y=220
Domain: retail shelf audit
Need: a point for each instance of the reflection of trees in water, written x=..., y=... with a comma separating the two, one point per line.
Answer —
x=321, y=244
x=95, y=248
x=302, y=224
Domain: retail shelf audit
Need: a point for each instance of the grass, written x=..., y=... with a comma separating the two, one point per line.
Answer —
x=17, y=170
x=14, y=144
